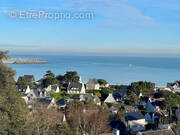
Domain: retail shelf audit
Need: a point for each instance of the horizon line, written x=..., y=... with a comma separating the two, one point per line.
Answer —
x=98, y=54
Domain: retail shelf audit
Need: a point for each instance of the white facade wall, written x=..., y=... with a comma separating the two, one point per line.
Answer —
x=137, y=125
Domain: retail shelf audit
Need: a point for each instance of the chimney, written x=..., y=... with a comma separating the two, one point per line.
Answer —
x=117, y=132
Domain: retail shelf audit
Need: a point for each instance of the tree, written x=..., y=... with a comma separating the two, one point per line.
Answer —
x=97, y=122
x=49, y=79
x=49, y=121
x=177, y=82
x=13, y=110
x=102, y=82
x=49, y=74
x=60, y=95
x=176, y=129
x=3, y=55
x=146, y=88
x=98, y=94
x=23, y=82
x=71, y=76
x=171, y=99
x=60, y=78
x=132, y=98
x=105, y=92
x=85, y=119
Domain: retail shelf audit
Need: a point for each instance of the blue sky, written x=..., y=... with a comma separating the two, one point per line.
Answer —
x=118, y=27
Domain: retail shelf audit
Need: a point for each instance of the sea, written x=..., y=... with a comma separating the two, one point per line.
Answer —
x=114, y=69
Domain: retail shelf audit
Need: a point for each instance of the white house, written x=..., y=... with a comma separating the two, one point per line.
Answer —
x=49, y=88
x=135, y=121
x=34, y=94
x=31, y=96
x=52, y=103
x=76, y=88
x=174, y=87
x=28, y=90
x=140, y=95
x=55, y=88
x=43, y=93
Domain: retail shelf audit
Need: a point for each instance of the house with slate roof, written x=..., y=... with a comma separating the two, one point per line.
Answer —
x=31, y=96
x=149, y=107
x=93, y=84
x=54, y=88
x=29, y=78
x=135, y=121
x=76, y=88
x=90, y=97
x=45, y=101
x=120, y=94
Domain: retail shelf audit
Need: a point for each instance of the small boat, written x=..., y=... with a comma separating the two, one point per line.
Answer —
x=130, y=65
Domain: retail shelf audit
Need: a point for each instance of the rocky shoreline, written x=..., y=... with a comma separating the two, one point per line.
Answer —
x=23, y=61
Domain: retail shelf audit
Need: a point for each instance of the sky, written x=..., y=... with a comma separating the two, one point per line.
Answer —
x=116, y=27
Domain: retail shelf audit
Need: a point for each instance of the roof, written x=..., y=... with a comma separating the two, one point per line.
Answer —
x=134, y=116
x=118, y=124
x=149, y=107
x=144, y=99
x=61, y=102
x=87, y=97
x=44, y=100
x=93, y=81
x=54, y=87
x=33, y=94
x=120, y=93
x=158, y=132
x=110, y=99
x=29, y=77
x=157, y=103
x=169, y=85
x=128, y=109
x=75, y=86
x=40, y=80
x=92, y=84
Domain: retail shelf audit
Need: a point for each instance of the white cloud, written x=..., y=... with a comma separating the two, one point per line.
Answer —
x=114, y=10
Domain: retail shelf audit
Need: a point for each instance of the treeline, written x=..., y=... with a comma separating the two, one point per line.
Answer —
x=50, y=79
x=147, y=90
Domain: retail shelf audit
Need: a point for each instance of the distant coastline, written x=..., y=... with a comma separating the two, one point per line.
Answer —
x=10, y=60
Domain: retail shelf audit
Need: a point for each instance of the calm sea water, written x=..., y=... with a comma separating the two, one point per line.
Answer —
x=113, y=69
